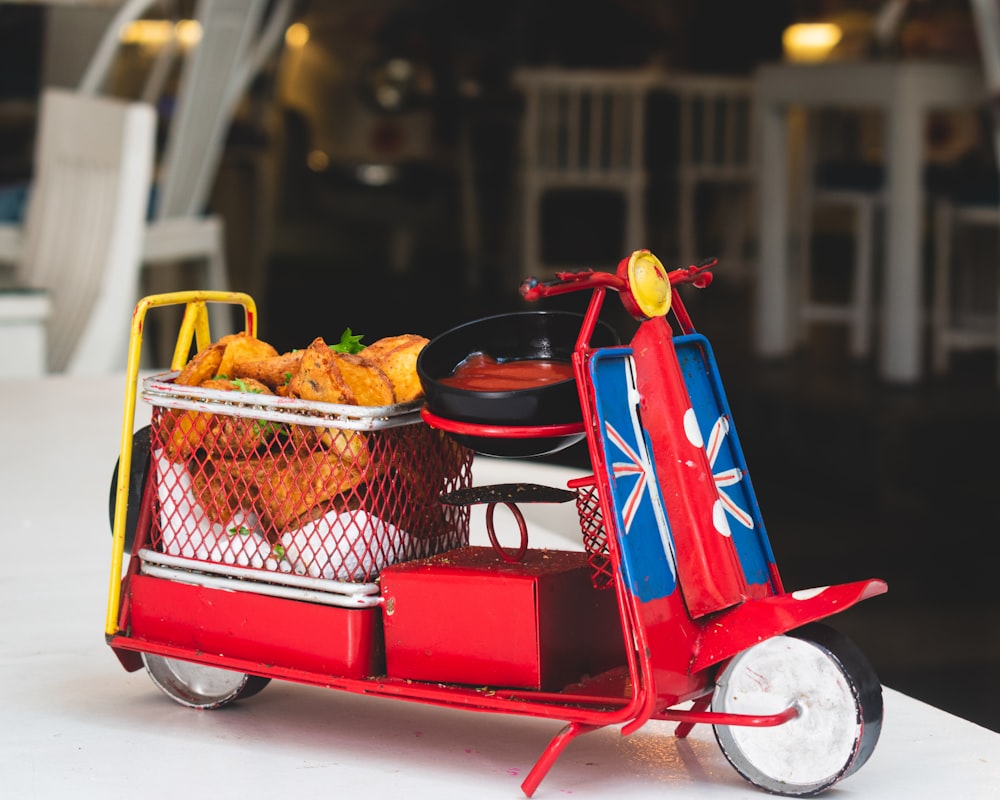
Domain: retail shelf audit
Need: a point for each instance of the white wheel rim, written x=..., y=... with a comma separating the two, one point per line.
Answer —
x=810, y=751
x=192, y=684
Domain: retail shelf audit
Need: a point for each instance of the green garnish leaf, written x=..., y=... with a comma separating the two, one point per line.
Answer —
x=278, y=552
x=241, y=385
x=349, y=343
x=268, y=428
x=242, y=530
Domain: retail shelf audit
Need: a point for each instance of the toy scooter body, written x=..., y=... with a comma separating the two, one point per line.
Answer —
x=682, y=576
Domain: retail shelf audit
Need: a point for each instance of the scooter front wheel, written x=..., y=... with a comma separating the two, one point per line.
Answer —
x=838, y=697
x=199, y=686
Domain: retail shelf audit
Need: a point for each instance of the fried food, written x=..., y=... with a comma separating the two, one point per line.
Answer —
x=225, y=436
x=303, y=486
x=218, y=358
x=250, y=385
x=185, y=432
x=242, y=347
x=319, y=378
x=369, y=384
x=273, y=371
x=382, y=374
x=239, y=437
x=284, y=488
x=286, y=474
x=219, y=488
x=397, y=358
x=204, y=366
x=311, y=437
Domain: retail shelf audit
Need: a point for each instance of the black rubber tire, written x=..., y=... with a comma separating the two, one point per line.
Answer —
x=840, y=703
x=138, y=473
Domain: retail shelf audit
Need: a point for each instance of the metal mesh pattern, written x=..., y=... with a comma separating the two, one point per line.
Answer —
x=595, y=538
x=305, y=499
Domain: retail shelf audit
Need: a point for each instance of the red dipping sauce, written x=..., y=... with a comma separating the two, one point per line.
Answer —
x=483, y=373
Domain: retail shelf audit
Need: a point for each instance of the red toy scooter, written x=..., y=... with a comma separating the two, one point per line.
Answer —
x=674, y=611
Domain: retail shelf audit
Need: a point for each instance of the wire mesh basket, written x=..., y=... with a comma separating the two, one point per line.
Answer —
x=595, y=536
x=287, y=486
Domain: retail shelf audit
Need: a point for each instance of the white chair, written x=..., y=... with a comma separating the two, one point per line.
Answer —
x=715, y=150
x=849, y=183
x=237, y=37
x=964, y=316
x=82, y=234
x=581, y=130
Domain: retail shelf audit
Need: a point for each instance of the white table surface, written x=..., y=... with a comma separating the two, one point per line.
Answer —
x=905, y=92
x=76, y=725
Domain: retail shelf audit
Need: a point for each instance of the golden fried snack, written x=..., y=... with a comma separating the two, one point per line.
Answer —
x=344, y=444
x=242, y=347
x=249, y=385
x=273, y=371
x=226, y=436
x=217, y=359
x=203, y=366
x=239, y=437
x=185, y=432
x=309, y=437
x=319, y=378
x=222, y=488
x=397, y=356
x=369, y=384
x=303, y=486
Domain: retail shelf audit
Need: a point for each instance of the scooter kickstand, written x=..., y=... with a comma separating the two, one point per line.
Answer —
x=552, y=752
x=684, y=728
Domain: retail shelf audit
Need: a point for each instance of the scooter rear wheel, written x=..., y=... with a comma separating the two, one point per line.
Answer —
x=199, y=686
x=839, y=699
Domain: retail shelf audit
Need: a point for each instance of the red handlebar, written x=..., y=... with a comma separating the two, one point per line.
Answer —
x=656, y=297
x=698, y=275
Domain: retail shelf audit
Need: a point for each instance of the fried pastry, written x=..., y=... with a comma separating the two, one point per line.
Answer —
x=203, y=366
x=294, y=488
x=273, y=371
x=220, y=487
x=185, y=432
x=319, y=378
x=397, y=357
x=369, y=384
x=242, y=347
x=250, y=385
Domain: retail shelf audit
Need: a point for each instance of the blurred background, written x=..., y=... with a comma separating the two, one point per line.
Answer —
x=370, y=180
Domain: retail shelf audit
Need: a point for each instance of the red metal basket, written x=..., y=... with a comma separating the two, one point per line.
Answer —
x=595, y=537
x=285, y=486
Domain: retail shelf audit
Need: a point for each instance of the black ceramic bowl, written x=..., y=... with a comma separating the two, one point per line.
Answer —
x=509, y=337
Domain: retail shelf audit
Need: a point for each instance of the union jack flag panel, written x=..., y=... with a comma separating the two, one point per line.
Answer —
x=722, y=445
x=646, y=545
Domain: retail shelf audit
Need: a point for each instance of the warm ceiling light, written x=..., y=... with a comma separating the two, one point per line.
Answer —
x=157, y=32
x=188, y=32
x=810, y=41
x=147, y=32
x=297, y=35
x=317, y=160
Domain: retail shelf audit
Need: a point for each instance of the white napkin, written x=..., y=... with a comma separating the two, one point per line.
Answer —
x=343, y=546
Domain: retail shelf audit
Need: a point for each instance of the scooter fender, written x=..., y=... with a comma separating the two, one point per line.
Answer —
x=732, y=631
